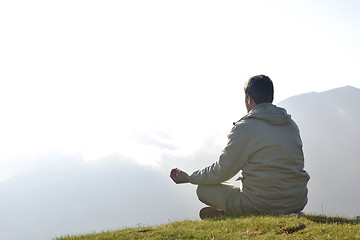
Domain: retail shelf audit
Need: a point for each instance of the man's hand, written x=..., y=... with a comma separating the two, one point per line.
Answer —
x=179, y=176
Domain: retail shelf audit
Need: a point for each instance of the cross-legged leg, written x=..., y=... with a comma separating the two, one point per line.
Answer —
x=222, y=196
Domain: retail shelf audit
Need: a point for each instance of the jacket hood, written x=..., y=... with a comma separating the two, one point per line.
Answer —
x=270, y=113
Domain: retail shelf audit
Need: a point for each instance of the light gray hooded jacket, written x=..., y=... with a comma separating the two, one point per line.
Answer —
x=265, y=144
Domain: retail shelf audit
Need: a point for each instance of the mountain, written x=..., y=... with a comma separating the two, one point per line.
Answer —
x=329, y=127
x=65, y=195
x=70, y=196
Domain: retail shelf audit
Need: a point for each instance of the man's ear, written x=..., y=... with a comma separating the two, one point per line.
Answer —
x=248, y=99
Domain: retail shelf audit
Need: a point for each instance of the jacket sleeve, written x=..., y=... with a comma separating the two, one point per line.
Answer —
x=231, y=161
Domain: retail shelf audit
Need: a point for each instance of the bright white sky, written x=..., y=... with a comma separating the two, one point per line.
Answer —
x=96, y=77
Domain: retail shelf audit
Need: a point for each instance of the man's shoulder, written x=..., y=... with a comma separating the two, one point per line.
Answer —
x=243, y=126
x=247, y=122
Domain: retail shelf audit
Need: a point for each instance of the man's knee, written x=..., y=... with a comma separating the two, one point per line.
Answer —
x=198, y=191
x=204, y=192
x=210, y=195
x=222, y=196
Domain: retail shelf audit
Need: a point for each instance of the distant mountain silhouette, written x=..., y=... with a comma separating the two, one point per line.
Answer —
x=65, y=195
x=69, y=196
x=329, y=125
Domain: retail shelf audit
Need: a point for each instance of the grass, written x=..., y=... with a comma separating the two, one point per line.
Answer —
x=252, y=227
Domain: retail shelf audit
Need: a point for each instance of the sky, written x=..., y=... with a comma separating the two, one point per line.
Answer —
x=149, y=78
x=95, y=77
x=155, y=84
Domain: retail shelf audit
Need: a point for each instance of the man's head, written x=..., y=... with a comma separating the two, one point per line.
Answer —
x=258, y=89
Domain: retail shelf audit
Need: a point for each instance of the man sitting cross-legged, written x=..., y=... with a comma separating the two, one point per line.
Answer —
x=266, y=146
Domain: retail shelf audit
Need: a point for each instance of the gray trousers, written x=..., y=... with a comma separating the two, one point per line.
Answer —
x=226, y=197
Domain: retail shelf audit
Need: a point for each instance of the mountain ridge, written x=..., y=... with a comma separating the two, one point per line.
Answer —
x=329, y=127
x=115, y=192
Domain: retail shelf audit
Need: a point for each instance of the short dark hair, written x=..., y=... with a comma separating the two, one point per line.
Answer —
x=260, y=88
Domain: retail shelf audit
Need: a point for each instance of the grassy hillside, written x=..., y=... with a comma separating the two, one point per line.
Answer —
x=253, y=227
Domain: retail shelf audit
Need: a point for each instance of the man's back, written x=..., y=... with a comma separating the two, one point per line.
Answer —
x=273, y=177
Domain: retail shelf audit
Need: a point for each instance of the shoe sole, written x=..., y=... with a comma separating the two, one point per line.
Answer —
x=210, y=212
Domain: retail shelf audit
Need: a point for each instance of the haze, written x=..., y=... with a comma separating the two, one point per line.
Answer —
x=99, y=100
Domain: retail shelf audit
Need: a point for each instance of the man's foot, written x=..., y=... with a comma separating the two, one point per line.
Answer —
x=210, y=212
